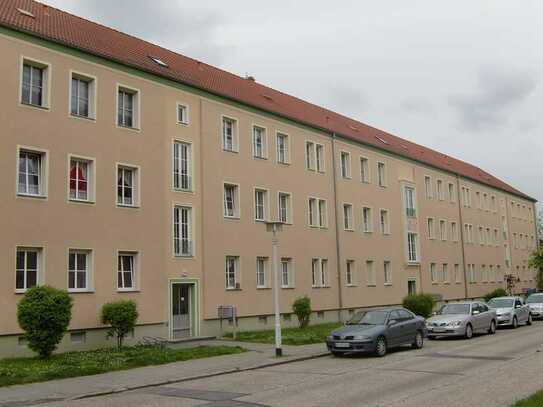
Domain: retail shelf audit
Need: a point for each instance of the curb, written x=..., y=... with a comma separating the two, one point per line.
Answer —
x=197, y=377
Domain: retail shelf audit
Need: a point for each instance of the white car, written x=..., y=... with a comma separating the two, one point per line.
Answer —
x=535, y=302
x=511, y=311
x=462, y=319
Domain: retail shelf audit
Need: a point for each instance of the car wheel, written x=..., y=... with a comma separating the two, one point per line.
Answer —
x=431, y=337
x=492, y=328
x=419, y=341
x=514, y=325
x=469, y=332
x=529, y=321
x=381, y=347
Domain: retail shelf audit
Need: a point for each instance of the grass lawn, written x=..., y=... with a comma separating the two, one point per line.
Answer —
x=291, y=336
x=535, y=400
x=72, y=364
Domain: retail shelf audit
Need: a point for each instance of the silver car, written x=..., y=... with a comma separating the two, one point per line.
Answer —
x=511, y=311
x=535, y=302
x=462, y=319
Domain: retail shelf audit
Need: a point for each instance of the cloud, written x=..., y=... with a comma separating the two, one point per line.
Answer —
x=346, y=100
x=490, y=104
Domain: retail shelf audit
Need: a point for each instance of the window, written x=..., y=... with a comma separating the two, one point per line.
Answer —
x=454, y=232
x=127, y=182
x=324, y=273
x=78, y=270
x=411, y=287
x=445, y=273
x=28, y=267
x=261, y=272
x=491, y=275
x=126, y=271
x=481, y=236
x=31, y=173
x=488, y=237
x=484, y=275
x=433, y=273
x=182, y=166
x=412, y=255
x=34, y=85
x=261, y=204
x=440, y=191
x=478, y=201
x=443, y=230
x=229, y=137
x=349, y=273
x=452, y=194
x=364, y=170
x=493, y=203
x=259, y=142
x=317, y=212
x=384, y=222
x=285, y=208
x=182, y=231
x=370, y=273
x=231, y=207
x=387, y=273
x=286, y=277
x=82, y=103
x=319, y=272
x=466, y=197
x=471, y=273
x=381, y=174
x=410, y=202
x=182, y=114
x=314, y=272
x=232, y=272
x=431, y=228
x=81, y=183
x=283, y=153
x=367, y=223
x=319, y=152
x=127, y=107
x=310, y=155
x=347, y=216
x=345, y=164
x=428, y=187
x=485, y=202
x=457, y=276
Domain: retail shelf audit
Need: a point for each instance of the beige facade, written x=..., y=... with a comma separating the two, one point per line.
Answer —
x=342, y=264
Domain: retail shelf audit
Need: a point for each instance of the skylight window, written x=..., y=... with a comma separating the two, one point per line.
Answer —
x=265, y=96
x=381, y=140
x=26, y=13
x=159, y=61
x=353, y=128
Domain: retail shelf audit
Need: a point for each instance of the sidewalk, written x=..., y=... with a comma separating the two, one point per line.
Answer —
x=258, y=356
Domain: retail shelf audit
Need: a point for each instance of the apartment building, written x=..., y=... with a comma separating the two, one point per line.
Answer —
x=133, y=172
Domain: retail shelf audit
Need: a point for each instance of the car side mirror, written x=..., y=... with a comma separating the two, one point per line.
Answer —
x=434, y=313
x=518, y=306
x=475, y=312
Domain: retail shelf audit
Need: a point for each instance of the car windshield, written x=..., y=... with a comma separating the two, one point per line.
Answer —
x=368, y=318
x=535, y=298
x=455, y=309
x=501, y=303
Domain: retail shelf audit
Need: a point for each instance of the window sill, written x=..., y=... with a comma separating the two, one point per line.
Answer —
x=232, y=217
x=284, y=163
x=258, y=288
x=320, y=286
x=39, y=107
x=81, y=201
x=88, y=119
x=259, y=158
x=371, y=285
x=81, y=291
x=183, y=123
x=288, y=287
x=230, y=151
x=128, y=206
x=186, y=191
x=387, y=284
x=351, y=285
x=135, y=129
x=233, y=289
x=367, y=231
x=128, y=290
x=348, y=230
x=184, y=256
x=23, y=195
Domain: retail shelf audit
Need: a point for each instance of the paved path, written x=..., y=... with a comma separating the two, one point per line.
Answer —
x=259, y=355
x=485, y=371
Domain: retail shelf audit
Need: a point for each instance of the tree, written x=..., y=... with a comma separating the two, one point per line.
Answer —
x=537, y=261
x=302, y=309
x=121, y=316
x=44, y=314
x=540, y=225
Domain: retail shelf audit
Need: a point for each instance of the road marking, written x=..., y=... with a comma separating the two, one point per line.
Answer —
x=392, y=369
x=453, y=356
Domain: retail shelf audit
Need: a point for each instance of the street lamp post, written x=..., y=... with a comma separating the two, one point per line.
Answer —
x=276, y=227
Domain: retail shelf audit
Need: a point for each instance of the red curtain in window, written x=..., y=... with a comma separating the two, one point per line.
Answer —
x=77, y=178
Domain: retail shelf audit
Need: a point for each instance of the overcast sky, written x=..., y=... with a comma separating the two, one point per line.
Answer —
x=463, y=77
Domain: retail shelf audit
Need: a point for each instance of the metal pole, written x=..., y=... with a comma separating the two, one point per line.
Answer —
x=278, y=349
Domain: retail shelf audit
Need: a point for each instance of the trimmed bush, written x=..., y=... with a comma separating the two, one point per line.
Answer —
x=498, y=292
x=44, y=314
x=302, y=309
x=121, y=316
x=420, y=304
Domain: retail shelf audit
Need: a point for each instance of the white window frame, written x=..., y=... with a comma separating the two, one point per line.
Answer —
x=320, y=158
x=350, y=271
x=367, y=221
x=382, y=176
x=92, y=82
x=440, y=190
x=43, y=176
x=319, y=272
x=262, y=273
x=91, y=178
x=236, y=201
x=286, y=154
x=345, y=164
x=136, y=107
x=236, y=263
x=264, y=142
x=454, y=231
x=177, y=232
x=177, y=170
x=370, y=273
x=384, y=226
x=387, y=272
x=317, y=213
x=310, y=155
x=445, y=273
x=288, y=210
x=265, y=204
x=46, y=82
x=88, y=270
x=457, y=274
x=134, y=271
x=452, y=192
x=184, y=107
x=431, y=228
x=428, y=187
x=365, y=172
x=412, y=248
x=235, y=129
x=433, y=273
x=348, y=221
x=443, y=230
x=136, y=185
x=410, y=201
x=290, y=277
x=39, y=267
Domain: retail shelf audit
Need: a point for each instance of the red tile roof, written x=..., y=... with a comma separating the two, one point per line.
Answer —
x=64, y=28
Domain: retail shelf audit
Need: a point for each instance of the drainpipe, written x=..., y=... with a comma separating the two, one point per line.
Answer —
x=461, y=226
x=336, y=215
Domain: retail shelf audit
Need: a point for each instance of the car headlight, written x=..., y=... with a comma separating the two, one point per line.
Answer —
x=361, y=338
x=329, y=338
x=454, y=323
x=506, y=314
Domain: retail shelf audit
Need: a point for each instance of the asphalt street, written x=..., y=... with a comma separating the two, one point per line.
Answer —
x=488, y=370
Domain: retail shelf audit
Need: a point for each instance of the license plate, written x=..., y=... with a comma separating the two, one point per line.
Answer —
x=342, y=345
x=439, y=329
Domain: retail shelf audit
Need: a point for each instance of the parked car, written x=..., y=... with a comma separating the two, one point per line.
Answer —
x=511, y=311
x=376, y=331
x=535, y=302
x=462, y=319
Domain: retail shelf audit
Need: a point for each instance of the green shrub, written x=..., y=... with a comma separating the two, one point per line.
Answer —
x=302, y=309
x=498, y=292
x=121, y=316
x=44, y=313
x=420, y=304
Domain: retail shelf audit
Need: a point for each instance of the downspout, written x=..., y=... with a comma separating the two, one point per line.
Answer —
x=461, y=227
x=202, y=309
x=336, y=215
